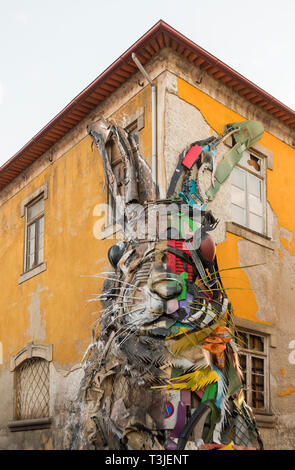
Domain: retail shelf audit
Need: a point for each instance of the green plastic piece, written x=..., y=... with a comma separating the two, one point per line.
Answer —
x=213, y=190
x=182, y=296
x=180, y=221
x=210, y=392
x=250, y=132
x=212, y=419
x=234, y=382
x=192, y=223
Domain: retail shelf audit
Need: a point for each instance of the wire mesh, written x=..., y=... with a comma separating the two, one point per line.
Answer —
x=241, y=431
x=32, y=389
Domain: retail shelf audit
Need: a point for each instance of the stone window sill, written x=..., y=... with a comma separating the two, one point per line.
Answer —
x=29, y=424
x=250, y=235
x=265, y=420
x=33, y=272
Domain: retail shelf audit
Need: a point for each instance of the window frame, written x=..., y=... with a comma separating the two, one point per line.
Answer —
x=40, y=193
x=28, y=223
x=262, y=177
x=18, y=392
x=249, y=354
x=30, y=351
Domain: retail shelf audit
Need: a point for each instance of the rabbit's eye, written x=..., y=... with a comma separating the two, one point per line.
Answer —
x=115, y=253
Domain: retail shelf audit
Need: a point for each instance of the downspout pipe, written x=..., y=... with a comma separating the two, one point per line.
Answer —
x=154, y=121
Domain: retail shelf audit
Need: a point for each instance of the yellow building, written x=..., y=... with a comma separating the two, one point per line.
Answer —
x=51, y=193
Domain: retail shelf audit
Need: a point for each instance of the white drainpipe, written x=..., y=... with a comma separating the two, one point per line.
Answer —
x=154, y=121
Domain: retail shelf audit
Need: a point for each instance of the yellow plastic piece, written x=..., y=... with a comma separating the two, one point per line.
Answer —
x=230, y=446
x=195, y=380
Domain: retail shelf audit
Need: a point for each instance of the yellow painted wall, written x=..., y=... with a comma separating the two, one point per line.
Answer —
x=280, y=188
x=52, y=307
x=59, y=293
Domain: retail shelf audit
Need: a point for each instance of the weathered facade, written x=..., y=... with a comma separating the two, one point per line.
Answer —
x=47, y=321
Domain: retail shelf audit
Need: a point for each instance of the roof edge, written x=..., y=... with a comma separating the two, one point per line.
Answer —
x=14, y=165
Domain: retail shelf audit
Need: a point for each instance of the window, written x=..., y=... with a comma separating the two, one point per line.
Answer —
x=34, y=250
x=32, y=211
x=248, y=200
x=254, y=361
x=32, y=389
x=31, y=374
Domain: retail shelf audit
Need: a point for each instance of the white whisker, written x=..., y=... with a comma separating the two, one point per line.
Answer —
x=122, y=296
x=118, y=280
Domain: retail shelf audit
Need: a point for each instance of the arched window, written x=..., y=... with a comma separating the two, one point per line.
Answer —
x=32, y=389
x=31, y=368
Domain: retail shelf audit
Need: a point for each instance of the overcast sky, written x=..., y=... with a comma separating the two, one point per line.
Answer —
x=51, y=50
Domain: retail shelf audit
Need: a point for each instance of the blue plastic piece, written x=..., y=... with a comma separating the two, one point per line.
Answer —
x=193, y=199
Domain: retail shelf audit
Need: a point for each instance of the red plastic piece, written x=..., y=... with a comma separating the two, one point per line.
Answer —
x=175, y=264
x=192, y=156
x=208, y=248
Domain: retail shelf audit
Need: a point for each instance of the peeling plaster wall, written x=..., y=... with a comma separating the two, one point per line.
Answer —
x=37, y=326
x=64, y=385
x=263, y=280
x=184, y=125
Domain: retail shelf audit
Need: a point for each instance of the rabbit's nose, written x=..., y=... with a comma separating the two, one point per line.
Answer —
x=167, y=285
